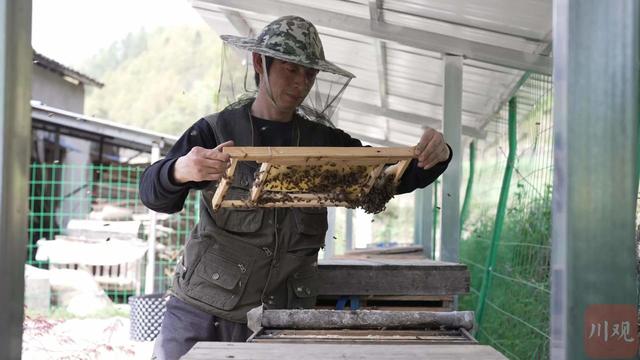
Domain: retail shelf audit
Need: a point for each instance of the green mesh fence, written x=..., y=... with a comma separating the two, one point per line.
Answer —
x=516, y=307
x=85, y=204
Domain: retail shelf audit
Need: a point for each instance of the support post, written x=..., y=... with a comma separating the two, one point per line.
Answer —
x=500, y=213
x=451, y=180
x=594, y=266
x=329, y=240
x=435, y=241
x=467, y=195
x=424, y=220
x=15, y=140
x=349, y=231
x=150, y=274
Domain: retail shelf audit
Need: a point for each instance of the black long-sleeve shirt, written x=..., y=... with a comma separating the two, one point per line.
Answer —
x=160, y=192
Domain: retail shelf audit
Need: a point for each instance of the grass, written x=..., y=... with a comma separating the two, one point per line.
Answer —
x=516, y=319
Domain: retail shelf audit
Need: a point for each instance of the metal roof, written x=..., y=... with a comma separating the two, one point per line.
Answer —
x=62, y=70
x=395, y=48
x=95, y=129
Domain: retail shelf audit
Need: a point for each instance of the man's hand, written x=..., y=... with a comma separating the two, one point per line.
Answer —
x=202, y=164
x=431, y=149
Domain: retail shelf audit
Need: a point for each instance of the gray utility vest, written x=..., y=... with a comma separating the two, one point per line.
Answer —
x=237, y=259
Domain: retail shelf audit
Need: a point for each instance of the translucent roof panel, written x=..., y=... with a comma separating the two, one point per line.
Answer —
x=526, y=19
x=395, y=48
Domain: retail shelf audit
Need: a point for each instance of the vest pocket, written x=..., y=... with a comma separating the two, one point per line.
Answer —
x=311, y=226
x=302, y=290
x=239, y=220
x=219, y=280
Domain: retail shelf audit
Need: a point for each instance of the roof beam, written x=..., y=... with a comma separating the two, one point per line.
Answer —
x=238, y=22
x=420, y=39
x=241, y=26
x=406, y=117
x=381, y=53
x=375, y=14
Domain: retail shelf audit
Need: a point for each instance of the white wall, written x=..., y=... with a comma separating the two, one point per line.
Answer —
x=51, y=89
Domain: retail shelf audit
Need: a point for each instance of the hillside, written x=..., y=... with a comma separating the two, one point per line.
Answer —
x=162, y=81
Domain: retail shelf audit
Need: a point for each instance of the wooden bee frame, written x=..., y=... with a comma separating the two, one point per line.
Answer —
x=297, y=176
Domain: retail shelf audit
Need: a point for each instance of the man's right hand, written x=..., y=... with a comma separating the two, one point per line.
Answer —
x=202, y=164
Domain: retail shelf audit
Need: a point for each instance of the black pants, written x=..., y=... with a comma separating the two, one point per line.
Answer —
x=183, y=325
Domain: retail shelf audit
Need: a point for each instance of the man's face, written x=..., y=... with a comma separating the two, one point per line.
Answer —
x=290, y=83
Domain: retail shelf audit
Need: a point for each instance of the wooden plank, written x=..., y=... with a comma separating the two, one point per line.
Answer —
x=426, y=298
x=392, y=308
x=287, y=351
x=410, y=308
x=393, y=303
x=300, y=200
x=392, y=263
x=391, y=277
x=404, y=252
x=223, y=186
x=410, y=298
x=397, y=170
x=258, y=185
x=352, y=336
x=373, y=177
x=359, y=332
x=316, y=161
x=267, y=153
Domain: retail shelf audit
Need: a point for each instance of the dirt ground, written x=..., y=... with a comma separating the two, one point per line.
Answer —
x=105, y=338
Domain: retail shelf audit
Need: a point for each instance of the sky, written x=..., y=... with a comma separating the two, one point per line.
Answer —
x=71, y=31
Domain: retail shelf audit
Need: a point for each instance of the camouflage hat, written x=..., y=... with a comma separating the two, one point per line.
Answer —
x=292, y=39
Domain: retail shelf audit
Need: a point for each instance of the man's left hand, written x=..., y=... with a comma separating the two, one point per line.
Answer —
x=431, y=149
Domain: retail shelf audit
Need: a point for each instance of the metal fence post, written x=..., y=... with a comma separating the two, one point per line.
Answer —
x=500, y=214
x=150, y=273
x=15, y=139
x=330, y=239
x=348, y=230
x=464, y=213
x=451, y=179
x=423, y=220
x=596, y=55
x=435, y=246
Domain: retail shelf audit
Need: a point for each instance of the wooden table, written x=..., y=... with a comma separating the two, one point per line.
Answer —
x=283, y=351
x=392, y=277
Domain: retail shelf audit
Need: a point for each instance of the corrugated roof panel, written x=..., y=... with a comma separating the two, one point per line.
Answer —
x=490, y=67
x=359, y=8
x=433, y=94
x=525, y=18
x=418, y=107
x=403, y=139
x=414, y=77
x=405, y=128
x=345, y=51
x=356, y=124
x=363, y=95
x=439, y=27
x=411, y=66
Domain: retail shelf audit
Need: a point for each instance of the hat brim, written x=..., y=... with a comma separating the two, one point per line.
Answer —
x=251, y=44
